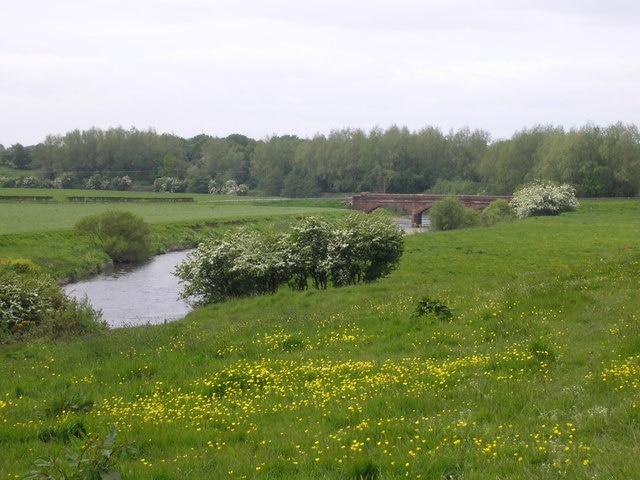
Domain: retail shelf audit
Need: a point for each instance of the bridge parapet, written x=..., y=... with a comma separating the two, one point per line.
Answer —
x=417, y=203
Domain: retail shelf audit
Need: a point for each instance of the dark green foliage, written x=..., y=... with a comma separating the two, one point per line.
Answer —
x=123, y=236
x=542, y=352
x=496, y=212
x=96, y=459
x=19, y=156
x=292, y=343
x=64, y=433
x=67, y=403
x=429, y=306
x=450, y=214
x=364, y=470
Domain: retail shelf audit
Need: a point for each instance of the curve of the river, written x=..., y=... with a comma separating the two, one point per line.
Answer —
x=146, y=294
x=150, y=293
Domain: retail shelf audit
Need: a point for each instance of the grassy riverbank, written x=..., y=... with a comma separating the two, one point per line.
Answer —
x=43, y=231
x=536, y=376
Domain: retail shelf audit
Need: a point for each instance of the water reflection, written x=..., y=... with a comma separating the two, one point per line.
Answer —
x=146, y=294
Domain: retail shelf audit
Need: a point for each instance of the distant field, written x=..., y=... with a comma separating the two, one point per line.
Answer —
x=42, y=231
x=61, y=214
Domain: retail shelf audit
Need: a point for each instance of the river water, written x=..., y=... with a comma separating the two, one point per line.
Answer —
x=128, y=296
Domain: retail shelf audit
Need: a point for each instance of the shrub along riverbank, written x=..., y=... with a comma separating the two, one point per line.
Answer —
x=535, y=375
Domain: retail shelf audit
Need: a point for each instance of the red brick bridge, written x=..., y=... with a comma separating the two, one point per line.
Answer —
x=416, y=203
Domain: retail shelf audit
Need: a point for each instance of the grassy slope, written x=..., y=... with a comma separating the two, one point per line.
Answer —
x=536, y=377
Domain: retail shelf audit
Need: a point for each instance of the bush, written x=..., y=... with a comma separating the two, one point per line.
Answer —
x=64, y=180
x=496, y=212
x=230, y=187
x=240, y=264
x=363, y=247
x=170, y=184
x=544, y=198
x=430, y=306
x=123, y=236
x=358, y=248
x=32, y=304
x=307, y=245
x=96, y=181
x=450, y=214
x=25, y=300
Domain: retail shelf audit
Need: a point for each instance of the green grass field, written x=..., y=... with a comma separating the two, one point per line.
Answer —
x=60, y=214
x=43, y=231
x=536, y=377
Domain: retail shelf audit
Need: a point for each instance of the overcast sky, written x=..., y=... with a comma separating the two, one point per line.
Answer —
x=277, y=67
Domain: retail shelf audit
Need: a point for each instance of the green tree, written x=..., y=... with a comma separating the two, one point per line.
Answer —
x=124, y=236
x=272, y=161
x=509, y=163
x=19, y=156
x=576, y=158
x=620, y=151
x=450, y=214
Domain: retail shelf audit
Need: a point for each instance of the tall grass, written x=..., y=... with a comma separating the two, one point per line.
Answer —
x=536, y=375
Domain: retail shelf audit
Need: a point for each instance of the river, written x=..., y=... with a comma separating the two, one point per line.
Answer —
x=140, y=295
x=149, y=294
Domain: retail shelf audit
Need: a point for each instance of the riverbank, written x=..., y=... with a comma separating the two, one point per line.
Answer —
x=44, y=233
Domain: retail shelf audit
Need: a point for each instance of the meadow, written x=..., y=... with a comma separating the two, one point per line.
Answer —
x=535, y=376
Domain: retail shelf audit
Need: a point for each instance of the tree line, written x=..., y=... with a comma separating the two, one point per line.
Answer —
x=597, y=161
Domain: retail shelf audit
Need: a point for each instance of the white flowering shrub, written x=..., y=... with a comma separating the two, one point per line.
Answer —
x=170, y=185
x=359, y=248
x=230, y=187
x=31, y=182
x=544, y=198
x=240, y=264
x=120, y=183
x=64, y=180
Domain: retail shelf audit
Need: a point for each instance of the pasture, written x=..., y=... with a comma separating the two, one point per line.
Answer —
x=536, y=376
